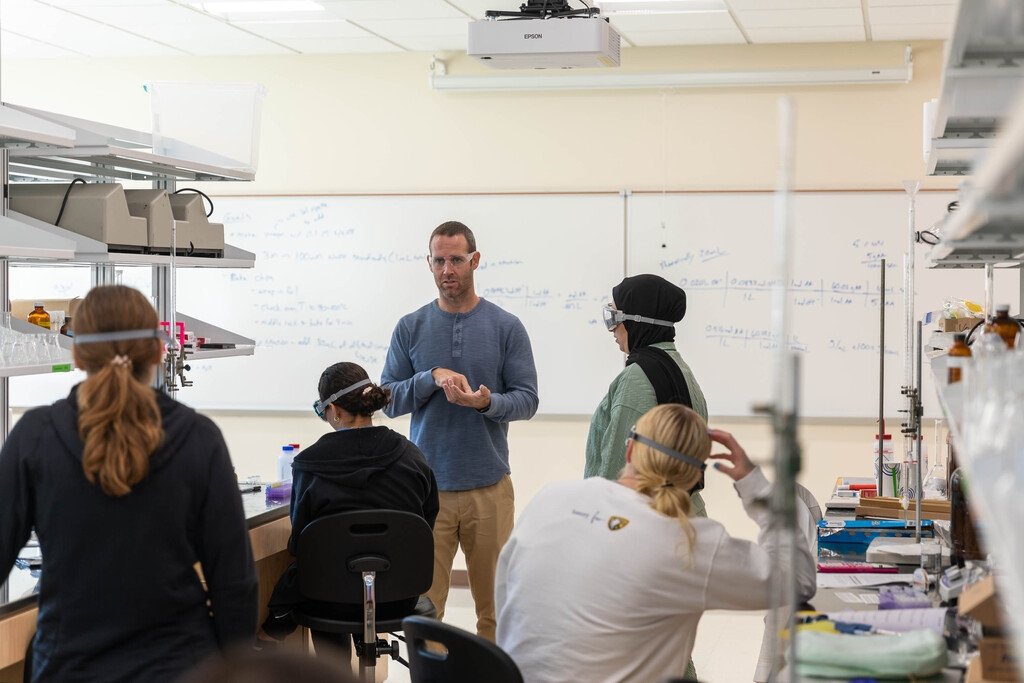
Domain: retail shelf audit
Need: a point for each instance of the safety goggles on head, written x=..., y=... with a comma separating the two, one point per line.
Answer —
x=672, y=453
x=121, y=335
x=457, y=261
x=320, y=406
x=613, y=316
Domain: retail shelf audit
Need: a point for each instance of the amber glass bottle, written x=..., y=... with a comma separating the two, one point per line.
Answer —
x=39, y=316
x=1003, y=325
x=957, y=353
x=965, y=537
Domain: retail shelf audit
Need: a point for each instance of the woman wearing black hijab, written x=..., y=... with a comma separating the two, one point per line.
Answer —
x=642, y=317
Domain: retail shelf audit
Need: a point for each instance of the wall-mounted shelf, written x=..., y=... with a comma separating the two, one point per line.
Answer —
x=956, y=155
x=90, y=251
x=21, y=129
x=42, y=369
x=241, y=346
x=982, y=76
x=20, y=241
x=104, y=151
x=988, y=228
x=112, y=162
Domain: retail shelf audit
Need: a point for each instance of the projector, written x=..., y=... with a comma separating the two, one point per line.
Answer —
x=569, y=42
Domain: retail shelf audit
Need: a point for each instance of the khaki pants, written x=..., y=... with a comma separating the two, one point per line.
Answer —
x=480, y=520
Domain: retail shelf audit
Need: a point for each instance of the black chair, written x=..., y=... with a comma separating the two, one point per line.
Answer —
x=362, y=559
x=469, y=659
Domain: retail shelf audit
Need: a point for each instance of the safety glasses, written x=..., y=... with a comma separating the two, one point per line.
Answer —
x=613, y=317
x=456, y=262
x=672, y=453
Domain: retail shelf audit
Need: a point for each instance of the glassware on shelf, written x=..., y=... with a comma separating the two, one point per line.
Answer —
x=52, y=345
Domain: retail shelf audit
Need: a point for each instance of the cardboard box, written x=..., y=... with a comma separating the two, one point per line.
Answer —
x=979, y=601
x=974, y=673
x=959, y=324
x=998, y=661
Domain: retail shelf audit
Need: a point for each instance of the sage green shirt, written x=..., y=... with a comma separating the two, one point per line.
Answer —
x=630, y=396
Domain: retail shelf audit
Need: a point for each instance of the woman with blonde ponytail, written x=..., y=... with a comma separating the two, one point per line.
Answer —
x=127, y=490
x=624, y=569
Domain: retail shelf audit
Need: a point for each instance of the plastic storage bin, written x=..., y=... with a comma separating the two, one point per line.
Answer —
x=210, y=123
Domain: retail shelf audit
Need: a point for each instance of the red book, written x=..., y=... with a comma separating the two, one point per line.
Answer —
x=862, y=487
x=840, y=567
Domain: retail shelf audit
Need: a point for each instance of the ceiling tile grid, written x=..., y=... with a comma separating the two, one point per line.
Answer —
x=57, y=28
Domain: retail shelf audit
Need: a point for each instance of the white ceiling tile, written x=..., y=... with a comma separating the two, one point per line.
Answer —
x=75, y=33
x=393, y=28
x=341, y=45
x=792, y=4
x=919, y=14
x=708, y=37
x=72, y=4
x=908, y=3
x=13, y=46
x=476, y=8
x=249, y=45
x=434, y=43
x=141, y=15
x=912, y=32
x=362, y=10
x=214, y=38
x=851, y=16
x=335, y=28
x=816, y=34
x=672, y=22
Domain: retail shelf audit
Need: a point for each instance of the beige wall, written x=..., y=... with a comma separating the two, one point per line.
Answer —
x=352, y=124
x=358, y=124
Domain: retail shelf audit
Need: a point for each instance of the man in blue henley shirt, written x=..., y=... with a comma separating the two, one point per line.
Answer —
x=437, y=355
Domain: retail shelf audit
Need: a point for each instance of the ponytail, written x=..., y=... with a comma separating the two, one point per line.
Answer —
x=666, y=480
x=118, y=417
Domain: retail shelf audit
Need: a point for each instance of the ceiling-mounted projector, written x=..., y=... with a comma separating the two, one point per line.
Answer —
x=544, y=34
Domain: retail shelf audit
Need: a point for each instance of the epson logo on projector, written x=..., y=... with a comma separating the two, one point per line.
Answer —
x=533, y=36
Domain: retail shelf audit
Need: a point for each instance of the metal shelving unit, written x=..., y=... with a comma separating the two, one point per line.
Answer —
x=988, y=228
x=984, y=69
x=45, y=146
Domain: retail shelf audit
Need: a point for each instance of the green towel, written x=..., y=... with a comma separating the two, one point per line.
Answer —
x=839, y=655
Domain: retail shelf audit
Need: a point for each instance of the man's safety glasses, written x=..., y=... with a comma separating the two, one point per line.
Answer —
x=612, y=317
x=457, y=261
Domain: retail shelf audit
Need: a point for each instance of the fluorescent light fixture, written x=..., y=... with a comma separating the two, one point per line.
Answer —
x=660, y=6
x=705, y=79
x=223, y=7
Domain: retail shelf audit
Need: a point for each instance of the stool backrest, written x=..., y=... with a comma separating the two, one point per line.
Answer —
x=470, y=658
x=333, y=551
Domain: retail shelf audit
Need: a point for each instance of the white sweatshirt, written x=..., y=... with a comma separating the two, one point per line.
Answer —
x=594, y=585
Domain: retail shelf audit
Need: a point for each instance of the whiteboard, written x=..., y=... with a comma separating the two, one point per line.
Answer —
x=719, y=248
x=334, y=275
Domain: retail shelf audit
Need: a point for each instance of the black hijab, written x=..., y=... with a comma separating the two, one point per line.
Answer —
x=654, y=297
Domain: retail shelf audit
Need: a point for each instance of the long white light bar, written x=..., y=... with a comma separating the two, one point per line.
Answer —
x=706, y=79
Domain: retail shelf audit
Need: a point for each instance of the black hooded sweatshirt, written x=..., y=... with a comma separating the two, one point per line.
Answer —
x=370, y=468
x=120, y=599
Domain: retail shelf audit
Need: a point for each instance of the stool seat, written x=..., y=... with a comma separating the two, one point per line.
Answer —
x=424, y=608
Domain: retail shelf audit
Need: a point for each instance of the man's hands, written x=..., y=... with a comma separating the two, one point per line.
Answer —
x=736, y=457
x=457, y=390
